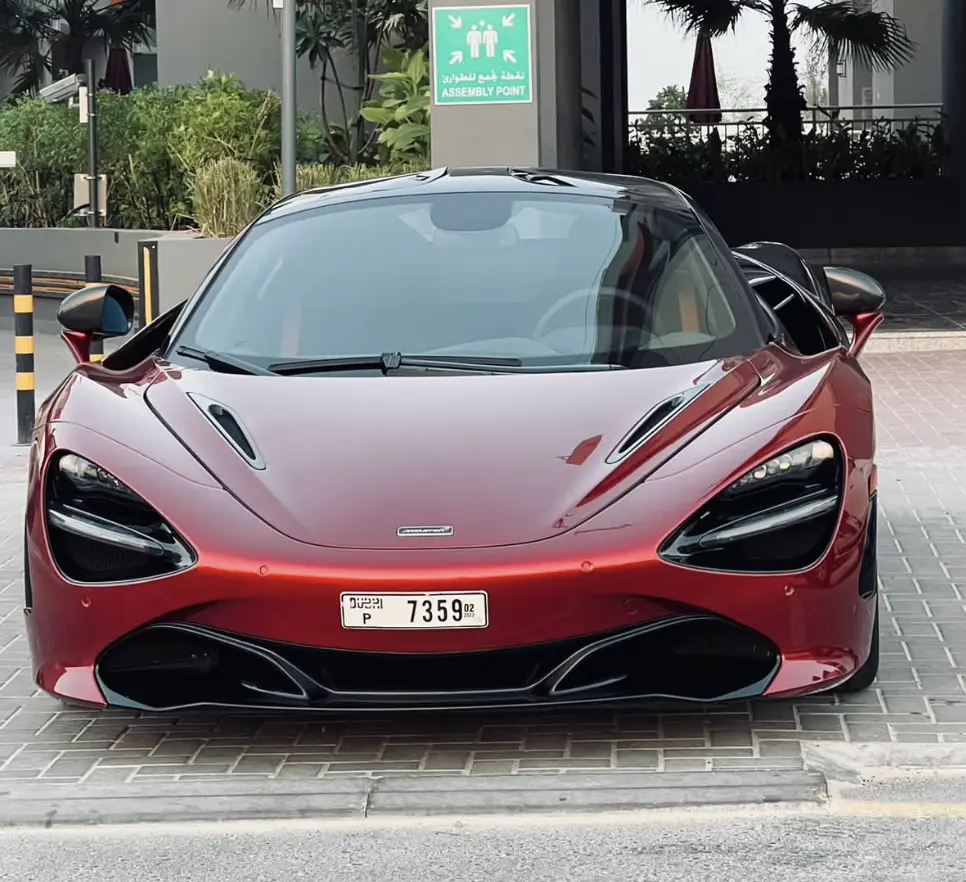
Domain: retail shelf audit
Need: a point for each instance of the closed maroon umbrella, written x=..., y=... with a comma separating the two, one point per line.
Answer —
x=703, y=92
x=117, y=76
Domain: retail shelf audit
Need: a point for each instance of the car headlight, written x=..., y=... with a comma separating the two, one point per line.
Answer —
x=778, y=517
x=102, y=531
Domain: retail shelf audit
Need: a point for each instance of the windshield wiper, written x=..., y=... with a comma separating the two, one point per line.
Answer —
x=393, y=361
x=223, y=362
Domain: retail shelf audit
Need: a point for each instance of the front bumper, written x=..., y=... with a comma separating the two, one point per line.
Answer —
x=272, y=604
x=592, y=626
x=698, y=658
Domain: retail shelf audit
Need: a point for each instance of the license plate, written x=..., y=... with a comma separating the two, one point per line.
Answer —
x=414, y=612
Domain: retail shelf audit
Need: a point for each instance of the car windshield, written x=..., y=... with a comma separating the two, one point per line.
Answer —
x=543, y=280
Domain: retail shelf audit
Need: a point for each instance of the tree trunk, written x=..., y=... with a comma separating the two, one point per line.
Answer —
x=783, y=94
x=357, y=125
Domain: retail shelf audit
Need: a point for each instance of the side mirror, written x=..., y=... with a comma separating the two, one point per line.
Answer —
x=859, y=298
x=95, y=312
x=99, y=311
x=854, y=293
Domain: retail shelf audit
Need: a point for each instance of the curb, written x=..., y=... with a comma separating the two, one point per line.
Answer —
x=400, y=796
x=862, y=763
x=884, y=342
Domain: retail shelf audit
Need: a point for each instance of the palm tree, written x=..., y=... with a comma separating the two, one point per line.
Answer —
x=24, y=29
x=845, y=29
x=123, y=24
x=31, y=45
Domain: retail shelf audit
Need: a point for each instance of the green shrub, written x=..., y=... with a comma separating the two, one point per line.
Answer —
x=153, y=144
x=50, y=147
x=150, y=142
x=226, y=195
x=221, y=118
x=308, y=176
x=402, y=108
x=683, y=154
x=320, y=174
x=147, y=187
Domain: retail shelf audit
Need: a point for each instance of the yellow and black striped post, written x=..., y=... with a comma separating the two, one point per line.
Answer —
x=147, y=282
x=23, y=347
x=92, y=276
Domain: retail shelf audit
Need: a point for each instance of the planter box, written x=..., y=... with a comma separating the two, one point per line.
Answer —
x=837, y=214
x=182, y=264
x=62, y=249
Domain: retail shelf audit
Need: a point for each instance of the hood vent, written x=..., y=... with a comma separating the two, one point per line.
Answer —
x=654, y=420
x=534, y=177
x=230, y=428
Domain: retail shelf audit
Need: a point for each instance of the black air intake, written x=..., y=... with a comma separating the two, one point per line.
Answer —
x=230, y=428
x=654, y=420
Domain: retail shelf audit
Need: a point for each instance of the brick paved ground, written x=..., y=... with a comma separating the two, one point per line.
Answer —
x=922, y=299
x=920, y=696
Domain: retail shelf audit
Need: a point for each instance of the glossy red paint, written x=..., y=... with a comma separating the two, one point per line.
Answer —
x=863, y=325
x=352, y=459
x=78, y=344
x=494, y=469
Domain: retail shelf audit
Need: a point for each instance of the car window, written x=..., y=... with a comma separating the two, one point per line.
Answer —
x=552, y=280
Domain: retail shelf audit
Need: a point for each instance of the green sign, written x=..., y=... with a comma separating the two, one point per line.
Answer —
x=481, y=55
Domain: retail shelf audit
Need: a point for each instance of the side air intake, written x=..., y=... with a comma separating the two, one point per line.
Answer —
x=655, y=419
x=230, y=428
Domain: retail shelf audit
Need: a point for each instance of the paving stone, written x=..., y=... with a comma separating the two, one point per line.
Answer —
x=948, y=713
x=640, y=759
x=303, y=771
x=445, y=761
x=592, y=749
x=492, y=767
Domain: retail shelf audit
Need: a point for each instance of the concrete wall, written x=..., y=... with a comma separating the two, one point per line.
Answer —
x=63, y=250
x=545, y=132
x=195, y=36
x=846, y=91
x=184, y=259
x=919, y=81
x=183, y=264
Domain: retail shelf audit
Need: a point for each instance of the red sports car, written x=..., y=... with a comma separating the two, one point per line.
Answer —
x=463, y=439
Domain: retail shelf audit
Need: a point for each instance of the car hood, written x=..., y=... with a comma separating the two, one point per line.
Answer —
x=471, y=461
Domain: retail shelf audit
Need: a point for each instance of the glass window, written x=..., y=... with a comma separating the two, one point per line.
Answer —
x=547, y=279
x=145, y=66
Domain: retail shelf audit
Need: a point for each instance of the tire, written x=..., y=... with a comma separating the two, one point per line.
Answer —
x=865, y=676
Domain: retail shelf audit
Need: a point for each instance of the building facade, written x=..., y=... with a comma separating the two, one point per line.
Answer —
x=191, y=37
x=195, y=36
x=915, y=89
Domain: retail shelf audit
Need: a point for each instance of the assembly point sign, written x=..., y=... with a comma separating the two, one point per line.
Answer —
x=481, y=55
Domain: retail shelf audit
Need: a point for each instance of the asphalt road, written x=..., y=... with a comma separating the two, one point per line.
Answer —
x=777, y=846
x=889, y=832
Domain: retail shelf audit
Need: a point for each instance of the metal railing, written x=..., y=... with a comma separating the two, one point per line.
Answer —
x=854, y=119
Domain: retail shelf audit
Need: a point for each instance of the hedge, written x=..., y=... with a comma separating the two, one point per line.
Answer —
x=683, y=154
x=152, y=143
x=167, y=151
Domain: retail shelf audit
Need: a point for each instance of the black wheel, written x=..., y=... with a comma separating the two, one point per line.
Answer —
x=865, y=676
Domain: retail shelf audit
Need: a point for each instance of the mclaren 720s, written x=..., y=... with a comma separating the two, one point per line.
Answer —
x=468, y=438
